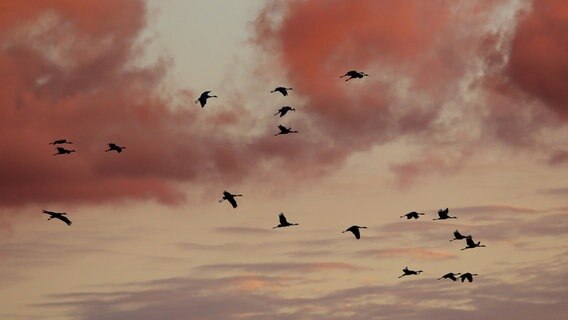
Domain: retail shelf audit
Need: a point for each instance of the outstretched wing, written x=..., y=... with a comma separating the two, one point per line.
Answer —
x=355, y=232
x=282, y=219
x=469, y=242
x=282, y=128
x=64, y=219
x=458, y=235
x=204, y=95
x=232, y=201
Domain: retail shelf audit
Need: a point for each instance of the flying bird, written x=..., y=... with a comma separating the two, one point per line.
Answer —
x=354, y=74
x=470, y=244
x=203, y=98
x=230, y=197
x=412, y=215
x=467, y=276
x=283, y=222
x=284, y=130
x=114, y=147
x=355, y=231
x=458, y=236
x=443, y=215
x=282, y=111
x=58, y=215
x=61, y=141
x=282, y=90
x=61, y=150
x=450, y=275
x=408, y=272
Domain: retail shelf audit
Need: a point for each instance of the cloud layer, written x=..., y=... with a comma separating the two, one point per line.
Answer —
x=445, y=77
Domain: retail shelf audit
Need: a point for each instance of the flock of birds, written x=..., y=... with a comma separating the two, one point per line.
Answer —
x=61, y=150
x=443, y=214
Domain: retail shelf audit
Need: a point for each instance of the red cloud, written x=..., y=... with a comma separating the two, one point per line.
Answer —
x=69, y=71
x=538, y=62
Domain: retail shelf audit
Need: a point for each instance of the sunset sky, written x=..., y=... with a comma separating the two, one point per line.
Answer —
x=465, y=107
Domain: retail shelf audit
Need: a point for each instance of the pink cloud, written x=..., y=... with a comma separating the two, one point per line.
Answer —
x=538, y=62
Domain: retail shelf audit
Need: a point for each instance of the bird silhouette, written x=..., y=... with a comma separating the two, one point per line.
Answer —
x=450, y=275
x=203, y=98
x=58, y=215
x=282, y=90
x=283, y=222
x=458, y=236
x=284, y=130
x=61, y=141
x=354, y=74
x=470, y=244
x=408, y=272
x=443, y=215
x=114, y=147
x=282, y=111
x=61, y=150
x=355, y=231
x=412, y=215
x=468, y=276
x=230, y=197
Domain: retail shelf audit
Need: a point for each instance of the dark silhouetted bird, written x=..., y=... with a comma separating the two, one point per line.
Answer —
x=355, y=231
x=230, y=197
x=467, y=276
x=450, y=275
x=443, y=215
x=61, y=141
x=282, y=90
x=284, y=130
x=282, y=111
x=58, y=215
x=354, y=74
x=283, y=222
x=470, y=244
x=408, y=272
x=114, y=147
x=458, y=236
x=412, y=215
x=203, y=98
x=61, y=150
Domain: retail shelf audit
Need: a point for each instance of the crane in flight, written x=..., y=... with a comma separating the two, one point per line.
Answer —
x=412, y=215
x=458, y=236
x=282, y=90
x=282, y=111
x=283, y=222
x=408, y=272
x=230, y=197
x=355, y=231
x=470, y=244
x=60, y=141
x=354, y=75
x=58, y=215
x=443, y=215
x=114, y=147
x=61, y=150
x=284, y=130
x=203, y=98
x=451, y=276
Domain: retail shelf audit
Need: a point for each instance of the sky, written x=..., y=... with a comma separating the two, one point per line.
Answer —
x=464, y=108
